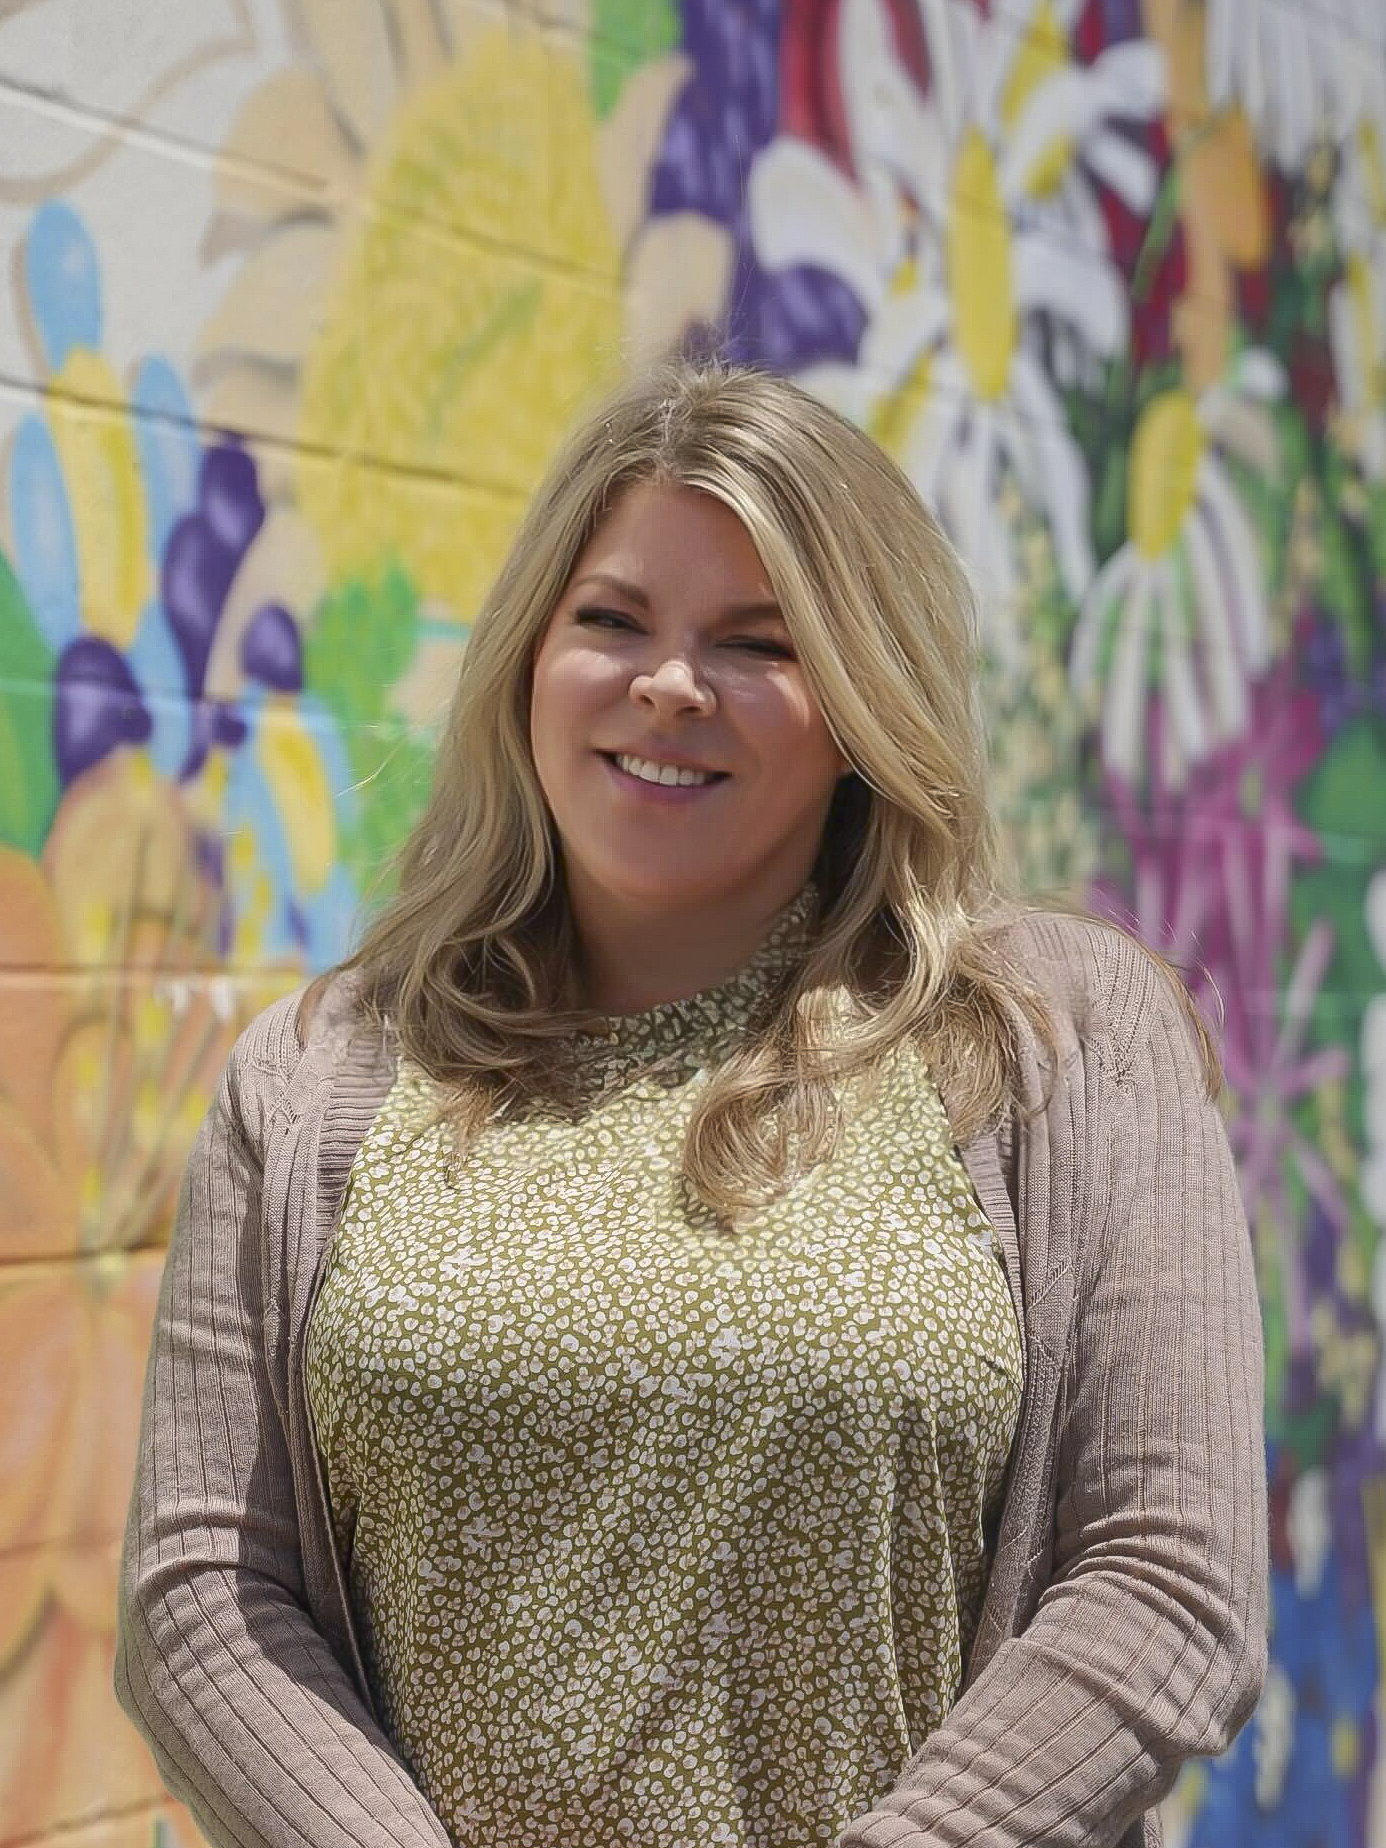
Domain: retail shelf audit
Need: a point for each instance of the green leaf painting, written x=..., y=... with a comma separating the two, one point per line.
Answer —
x=28, y=777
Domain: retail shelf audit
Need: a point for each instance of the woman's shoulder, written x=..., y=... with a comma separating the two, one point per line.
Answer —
x=303, y=1037
x=1099, y=982
x=326, y=1005
x=311, y=1016
x=1074, y=947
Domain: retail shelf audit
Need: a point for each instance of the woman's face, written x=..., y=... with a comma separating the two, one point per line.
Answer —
x=667, y=644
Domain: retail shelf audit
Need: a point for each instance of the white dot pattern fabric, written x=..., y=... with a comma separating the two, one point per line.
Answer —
x=651, y=1527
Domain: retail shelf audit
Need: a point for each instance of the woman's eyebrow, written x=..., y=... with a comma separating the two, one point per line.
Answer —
x=739, y=612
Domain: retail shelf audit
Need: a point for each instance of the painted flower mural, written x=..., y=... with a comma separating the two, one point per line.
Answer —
x=1106, y=277
x=1374, y=1072
x=723, y=116
x=1357, y=301
x=1188, y=579
x=107, y=1063
x=144, y=554
x=91, y=493
x=1299, y=73
x=376, y=318
x=959, y=231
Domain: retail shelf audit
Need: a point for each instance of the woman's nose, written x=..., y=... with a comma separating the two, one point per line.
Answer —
x=673, y=680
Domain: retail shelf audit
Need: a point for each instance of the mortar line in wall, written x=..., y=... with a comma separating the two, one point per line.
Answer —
x=312, y=194
x=151, y=1806
x=252, y=975
x=38, y=394
x=315, y=198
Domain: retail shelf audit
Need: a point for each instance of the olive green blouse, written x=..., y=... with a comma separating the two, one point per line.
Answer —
x=653, y=1529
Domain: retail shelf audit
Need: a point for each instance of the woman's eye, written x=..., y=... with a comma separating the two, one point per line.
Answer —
x=596, y=615
x=757, y=644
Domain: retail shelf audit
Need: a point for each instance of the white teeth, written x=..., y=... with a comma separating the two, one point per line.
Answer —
x=662, y=773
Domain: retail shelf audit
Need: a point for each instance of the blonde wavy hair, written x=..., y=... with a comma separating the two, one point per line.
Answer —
x=471, y=959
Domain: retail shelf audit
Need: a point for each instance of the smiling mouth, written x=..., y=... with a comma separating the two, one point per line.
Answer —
x=713, y=776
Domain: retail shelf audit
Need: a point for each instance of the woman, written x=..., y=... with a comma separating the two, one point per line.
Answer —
x=718, y=1324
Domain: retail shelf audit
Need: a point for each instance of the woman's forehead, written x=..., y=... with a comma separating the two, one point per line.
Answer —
x=656, y=532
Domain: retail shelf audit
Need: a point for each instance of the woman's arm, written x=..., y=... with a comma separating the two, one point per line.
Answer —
x=1149, y=1645
x=252, y=1720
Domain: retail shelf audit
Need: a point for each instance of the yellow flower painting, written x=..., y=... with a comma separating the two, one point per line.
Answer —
x=385, y=318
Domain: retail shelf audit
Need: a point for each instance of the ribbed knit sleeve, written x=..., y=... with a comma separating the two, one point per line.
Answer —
x=252, y=1721
x=1149, y=1643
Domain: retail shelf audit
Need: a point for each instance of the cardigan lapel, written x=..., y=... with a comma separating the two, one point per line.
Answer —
x=342, y=1081
x=1009, y=1163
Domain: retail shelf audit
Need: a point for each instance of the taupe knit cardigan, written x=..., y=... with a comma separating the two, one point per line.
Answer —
x=1124, y=1628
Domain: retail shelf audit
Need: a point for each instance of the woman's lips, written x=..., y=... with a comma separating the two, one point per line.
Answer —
x=667, y=793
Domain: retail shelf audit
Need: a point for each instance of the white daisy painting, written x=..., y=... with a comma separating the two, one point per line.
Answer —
x=968, y=232
x=1301, y=71
x=1186, y=588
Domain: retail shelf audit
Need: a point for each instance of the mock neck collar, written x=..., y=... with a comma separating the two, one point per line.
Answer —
x=695, y=1022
